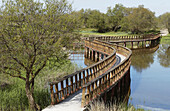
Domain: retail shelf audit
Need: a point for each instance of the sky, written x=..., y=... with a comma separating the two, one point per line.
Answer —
x=157, y=6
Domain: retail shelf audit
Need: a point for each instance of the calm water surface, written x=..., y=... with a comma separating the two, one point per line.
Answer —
x=150, y=78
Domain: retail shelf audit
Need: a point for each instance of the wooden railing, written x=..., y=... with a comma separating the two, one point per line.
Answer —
x=94, y=88
x=68, y=85
x=118, y=38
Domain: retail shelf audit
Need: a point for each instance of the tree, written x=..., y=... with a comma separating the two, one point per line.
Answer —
x=164, y=21
x=115, y=16
x=140, y=20
x=95, y=19
x=31, y=34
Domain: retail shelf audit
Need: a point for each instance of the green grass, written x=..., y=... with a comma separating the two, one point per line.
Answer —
x=91, y=31
x=165, y=39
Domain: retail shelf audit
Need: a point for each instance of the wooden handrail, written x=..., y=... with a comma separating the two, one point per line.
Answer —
x=98, y=85
x=125, y=38
x=69, y=84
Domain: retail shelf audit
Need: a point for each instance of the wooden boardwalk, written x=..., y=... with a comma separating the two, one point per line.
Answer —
x=73, y=102
x=108, y=77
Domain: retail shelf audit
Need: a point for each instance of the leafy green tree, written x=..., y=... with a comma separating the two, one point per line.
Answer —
x=115, y=16
x=140, y=20
x=164, y=21
x=94, y=19
x=31, y=34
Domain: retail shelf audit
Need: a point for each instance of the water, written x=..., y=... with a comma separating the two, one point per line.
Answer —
x=150, y=78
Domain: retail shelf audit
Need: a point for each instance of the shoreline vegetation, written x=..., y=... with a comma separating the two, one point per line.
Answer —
x=100, y=106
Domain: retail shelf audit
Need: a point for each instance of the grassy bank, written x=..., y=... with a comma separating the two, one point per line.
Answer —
x=165, y=39
x=91, y=31
x=13, y=96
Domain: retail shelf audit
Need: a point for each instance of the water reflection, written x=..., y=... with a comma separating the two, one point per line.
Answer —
x=143, y=58
x=150, y=78
x=164, y=55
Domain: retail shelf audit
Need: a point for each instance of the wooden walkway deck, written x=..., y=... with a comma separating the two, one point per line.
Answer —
x=73, y=102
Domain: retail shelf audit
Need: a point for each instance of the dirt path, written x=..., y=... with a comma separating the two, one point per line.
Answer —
x=164, y=32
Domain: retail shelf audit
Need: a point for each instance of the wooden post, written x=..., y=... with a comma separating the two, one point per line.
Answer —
x=87, y=76
x=108, y=79
x=132, y=45
x=96, y=56
x=100, y=82
x=138, y=44
x=67, y=87
x=76, y=83
x=95, y=87
x=83, y=77
x=80, y=80
x=92, y=88
x=90, y=74
x=62, y=90
x=99, y=56
x=52, y=95
x=85, y=53
x=71, y=84
x=56, y=95
x=89, y=94
x=92, y=57
x=83, y=97
x=89, y=54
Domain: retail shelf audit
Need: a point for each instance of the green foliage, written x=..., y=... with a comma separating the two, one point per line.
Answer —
x=140, y=20
x=164, y=21
x=31, y=35
x=115, y=16
x=136, y=20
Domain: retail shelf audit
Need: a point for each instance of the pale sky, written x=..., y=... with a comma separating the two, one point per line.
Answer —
x=157, y=6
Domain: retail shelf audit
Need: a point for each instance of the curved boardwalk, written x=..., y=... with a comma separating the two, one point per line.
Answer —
x=111, y=73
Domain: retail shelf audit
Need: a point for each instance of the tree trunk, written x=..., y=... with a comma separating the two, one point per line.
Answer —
x=30, y=97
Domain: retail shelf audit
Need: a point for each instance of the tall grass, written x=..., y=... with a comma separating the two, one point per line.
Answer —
x=101, y=106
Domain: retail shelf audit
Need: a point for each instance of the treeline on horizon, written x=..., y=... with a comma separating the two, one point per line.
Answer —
x=120, y=18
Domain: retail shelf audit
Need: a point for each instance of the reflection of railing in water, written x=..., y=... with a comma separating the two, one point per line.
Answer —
x=76, y=55
x=147, y=50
